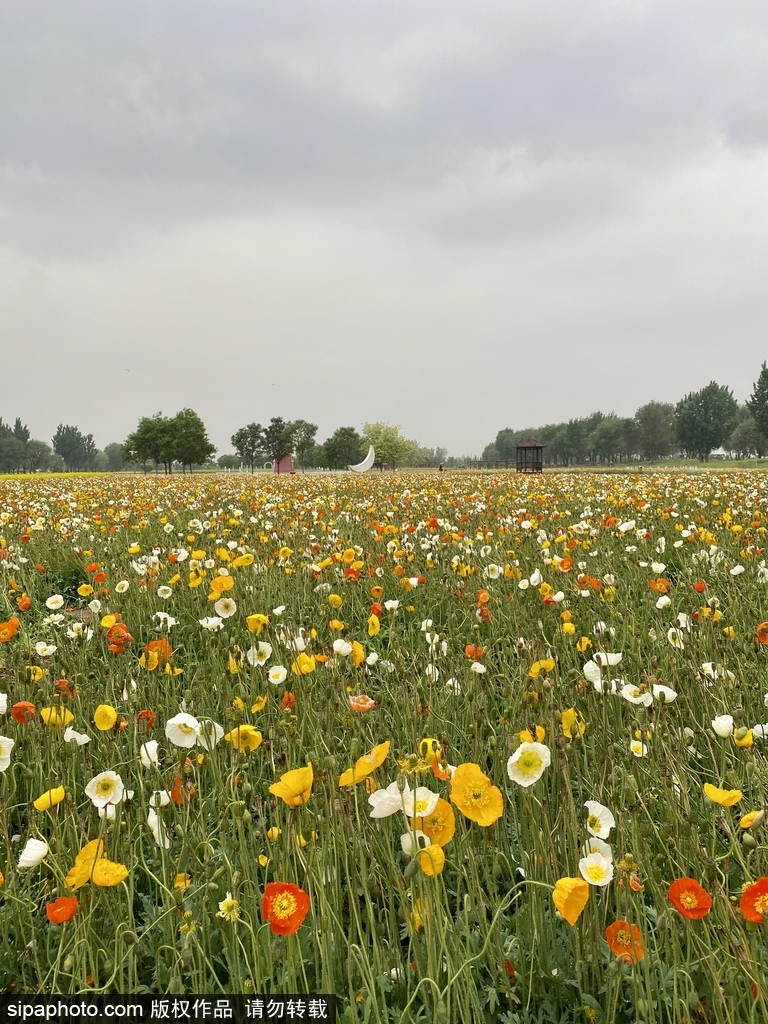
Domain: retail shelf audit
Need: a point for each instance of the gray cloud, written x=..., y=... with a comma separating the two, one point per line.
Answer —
x=452, y=216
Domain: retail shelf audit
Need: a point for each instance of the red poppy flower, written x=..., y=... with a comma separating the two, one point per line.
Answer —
x=100, y=577
x=689, y=899
x=376, y=609
x=24, y=602
x=146, y=716
x=159, y=647
x=93, y=567
x=351, y=574
x=61, y=910
x=754, y=901
x=762, y=632
x=699, y=586
x=23, y=711
x=285, y=906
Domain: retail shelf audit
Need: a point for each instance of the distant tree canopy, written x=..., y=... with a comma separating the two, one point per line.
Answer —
x=344, y=448
x=704, y=420
x=167, y=440
x=77, y=450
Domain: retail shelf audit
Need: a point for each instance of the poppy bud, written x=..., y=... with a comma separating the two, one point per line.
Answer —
x=748, y=841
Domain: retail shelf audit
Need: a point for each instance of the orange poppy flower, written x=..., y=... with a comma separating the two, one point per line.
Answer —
x=9, y=629
x=100, y=577
x=762, y=633
x=61, y=910
x=62, y=685
x=159, y=647
x=473, y=652
x=376, y=609
x=689, y=899
x=351, y=574
x=93, y=567
x=285, y=906
x=483, y=597
x=754, y=901
x=22, y=712
x=288, y=703
x=377, y=593
x=565, y=564
x=625, y=941
x=699, y=586
x=661, y=586
x=361, y=702
x=146, y=716
x=24, y=602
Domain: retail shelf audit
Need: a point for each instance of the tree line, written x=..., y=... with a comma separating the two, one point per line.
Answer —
x=699, y=423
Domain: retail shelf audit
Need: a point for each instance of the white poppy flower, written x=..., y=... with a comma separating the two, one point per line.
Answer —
x=3, y=703
x=212, y=623
x=675, y=637
x=637, y=748
x=277, y=674
x=148, y=754
x=635, y=695
x=413, y=842
x=528, y=762
x=723, y=725
x=454, y=686
x=225, y=607
x=158, y=830
x=595, y=869
x=391, y=606
x=388, y=801
x=54, y=602
x=34, y=852
x=478, y=668
x=600, y=820
x=419, y=802
x=664, y=601
x=182, y=730
x=165, y=592
x=105, y=788
x=210, y=734
x=122, y=586
x=79, y=737
x=6, y=746
x=259, y=654
x=44, y=650
x=342, y=648
x=595, y=845
x=665, y=694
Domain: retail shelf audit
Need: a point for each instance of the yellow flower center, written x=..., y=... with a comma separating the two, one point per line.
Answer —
x=624, y=938
x=688, y=900
x=596, y=873
x=283, y=905
x=105, y=787
x=529, y=763
x=478, y=795
x=185, y=729
x=420, y=806
x=594, y=823
x=761, y=904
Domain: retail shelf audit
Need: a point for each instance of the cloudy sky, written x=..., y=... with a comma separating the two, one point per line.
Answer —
x=454, y=216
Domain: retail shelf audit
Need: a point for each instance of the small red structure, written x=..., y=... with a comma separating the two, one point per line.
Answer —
x=530, y=456
x=284, y=465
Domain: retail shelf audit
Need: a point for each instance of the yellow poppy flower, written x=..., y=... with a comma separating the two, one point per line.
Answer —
x=439, y=825
x=49, y=799
x=724, y=797
x=256, y=622
x=245, y=737
x=295, y=786
x=303, y=665
x=432, y=860
x=365, y=765
x=57, y=717
x=570, y=896
x=475, y=796
x=104, y=717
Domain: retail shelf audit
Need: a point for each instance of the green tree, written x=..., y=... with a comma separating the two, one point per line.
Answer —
x=12, y=453
x=249, y=443
x=229, y=461
x=704, y=420
x=491, y=453
x=115, y=458
x=190, y=444
x=389, y=443
x=303, y=434
x=747, y=439
x=656, y=430
x=758, y=403
x=278, y=439
x=344, y=448
x=78, y=450
x=21, y=431
x=38, y=455
x=152, y=440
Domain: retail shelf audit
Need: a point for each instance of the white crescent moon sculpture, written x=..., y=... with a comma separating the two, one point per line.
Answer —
x=365, y=465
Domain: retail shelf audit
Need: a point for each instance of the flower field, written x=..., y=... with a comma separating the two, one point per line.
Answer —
x=455, y=747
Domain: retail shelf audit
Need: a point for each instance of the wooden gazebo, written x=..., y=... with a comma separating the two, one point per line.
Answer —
x=530, y=456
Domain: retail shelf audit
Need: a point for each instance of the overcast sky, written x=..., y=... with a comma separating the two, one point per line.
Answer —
x=454, y=216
